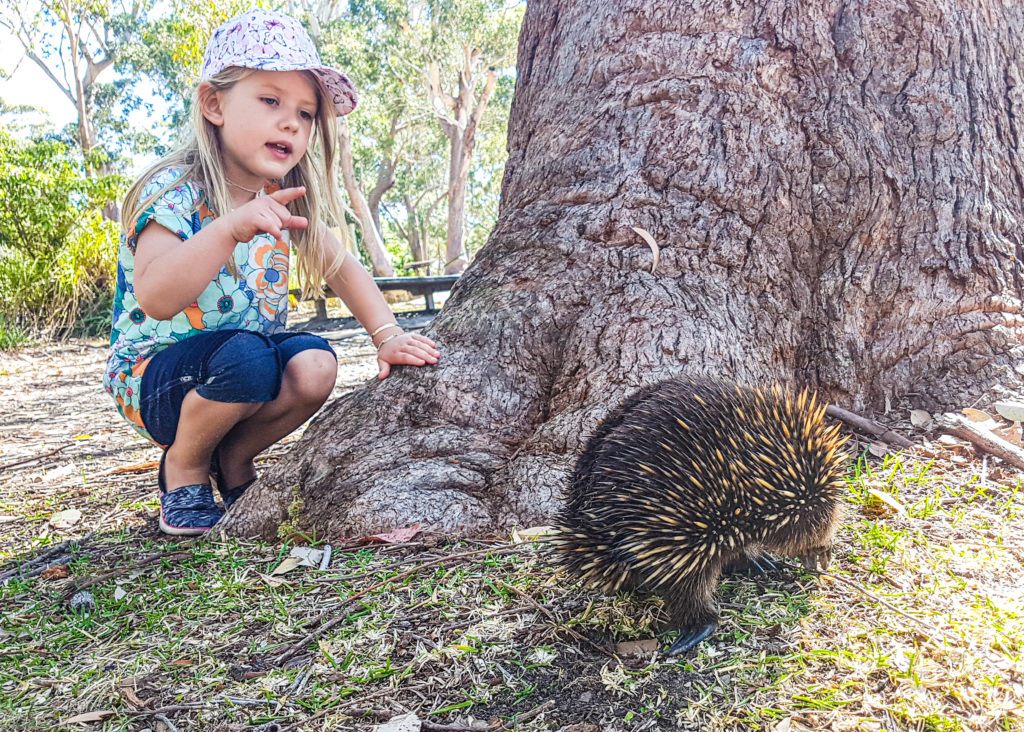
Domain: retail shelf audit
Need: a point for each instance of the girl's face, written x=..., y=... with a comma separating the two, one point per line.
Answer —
x=265, y=122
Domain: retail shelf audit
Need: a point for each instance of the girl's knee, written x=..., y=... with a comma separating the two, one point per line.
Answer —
x=311, y=375
x=246, y=368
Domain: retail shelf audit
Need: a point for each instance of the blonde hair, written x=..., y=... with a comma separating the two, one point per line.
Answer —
x=200, y=161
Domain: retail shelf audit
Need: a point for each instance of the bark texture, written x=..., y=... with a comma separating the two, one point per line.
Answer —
x=837, y=193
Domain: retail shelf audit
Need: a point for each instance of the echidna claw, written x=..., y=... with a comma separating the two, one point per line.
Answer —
x=763, y=564
x=690, y=637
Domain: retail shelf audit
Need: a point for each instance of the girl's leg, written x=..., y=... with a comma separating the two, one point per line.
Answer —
x=202, y=424
x=308, y=380
x=197, y=390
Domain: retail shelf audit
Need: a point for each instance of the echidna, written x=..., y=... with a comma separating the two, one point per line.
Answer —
x=690, y=477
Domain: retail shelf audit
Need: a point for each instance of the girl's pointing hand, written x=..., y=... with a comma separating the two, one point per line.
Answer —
x=266, y=214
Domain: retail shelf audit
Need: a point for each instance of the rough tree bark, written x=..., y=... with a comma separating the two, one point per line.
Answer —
x=836, y=189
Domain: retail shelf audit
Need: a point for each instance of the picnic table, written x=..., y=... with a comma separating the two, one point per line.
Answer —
x=417, y=286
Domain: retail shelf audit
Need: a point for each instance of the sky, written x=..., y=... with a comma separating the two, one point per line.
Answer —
x=29, y=85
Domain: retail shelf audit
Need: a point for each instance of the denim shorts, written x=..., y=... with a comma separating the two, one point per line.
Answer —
x=234, y=366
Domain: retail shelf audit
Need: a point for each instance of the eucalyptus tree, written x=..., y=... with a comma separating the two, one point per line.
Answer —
x=404, y=56
x=73, y=43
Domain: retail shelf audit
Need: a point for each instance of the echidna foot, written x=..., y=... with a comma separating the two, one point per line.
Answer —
x=690, y=636
x=763, y=564
x=816, y=559
x=754, y=563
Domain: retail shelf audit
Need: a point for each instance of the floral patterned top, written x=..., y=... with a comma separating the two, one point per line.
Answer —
x=257, y=299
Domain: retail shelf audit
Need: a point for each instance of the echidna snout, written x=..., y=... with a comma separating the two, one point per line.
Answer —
x=690, y=478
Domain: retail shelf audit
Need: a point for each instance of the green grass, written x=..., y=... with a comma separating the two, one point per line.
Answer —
x=921, y=628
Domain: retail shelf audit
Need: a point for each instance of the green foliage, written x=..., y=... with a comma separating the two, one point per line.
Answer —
x=11, y=336
x=74, y=42
x=169, y=52
x=43, y=192
x=386, y=47
x=57, y=252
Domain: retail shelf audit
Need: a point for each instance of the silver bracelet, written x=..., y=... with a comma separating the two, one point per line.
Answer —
x=384, y=327
x=394, y=335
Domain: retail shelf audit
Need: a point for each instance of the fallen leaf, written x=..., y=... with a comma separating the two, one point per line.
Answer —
x=135, y=468
x=637, y=648
x=1013, y=411
x=56, y=572
x=127, y=689
x=888, y=500
x=82, y=437
x=920, y=418
x=119, y=593
x=307, y=555
x=401, y=723
x=89, y=717
x=65, y=519
x=9, y=519
x=397, y=536
x=878, y=449
x=287, y=565
x=976, y=415
x=272, y=581
x=1011, y=434
x=181, y=662
x=655, y=249
x=532, y=534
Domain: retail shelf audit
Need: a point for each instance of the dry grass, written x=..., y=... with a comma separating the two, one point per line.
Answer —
x=922, y=627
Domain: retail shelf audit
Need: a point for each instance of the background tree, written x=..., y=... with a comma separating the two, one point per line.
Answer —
x=73, y=43
x=57, y=253
x=471, y=58
x=836, y=192
x=393, y=49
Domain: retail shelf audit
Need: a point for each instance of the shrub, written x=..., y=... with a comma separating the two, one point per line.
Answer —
x=57, y=252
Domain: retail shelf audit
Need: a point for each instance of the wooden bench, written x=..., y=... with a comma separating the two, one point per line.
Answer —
x=425, y=286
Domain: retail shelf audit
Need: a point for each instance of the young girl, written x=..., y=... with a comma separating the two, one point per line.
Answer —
x=200, y=361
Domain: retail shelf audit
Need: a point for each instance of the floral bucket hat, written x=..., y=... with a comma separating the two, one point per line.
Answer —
x=266, y=40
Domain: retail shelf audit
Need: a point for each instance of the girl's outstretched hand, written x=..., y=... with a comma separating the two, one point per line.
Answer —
x=266, y=214
x=406, y=349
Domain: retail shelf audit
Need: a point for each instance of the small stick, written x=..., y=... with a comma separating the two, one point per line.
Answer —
x=42, y=558
x=7, y=466
x=160, y=711
x=359, y=575
x=866, y=425
x=349, y=706
x=982, y=439
x=550, y=616
x=45, y=556
x=104, y=577
x=536, y=711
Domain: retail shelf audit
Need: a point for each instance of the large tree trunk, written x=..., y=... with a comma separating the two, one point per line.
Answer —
x=837, y=194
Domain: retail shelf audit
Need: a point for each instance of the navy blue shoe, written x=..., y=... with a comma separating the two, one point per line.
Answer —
x=189, y=510
x=186, y=511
